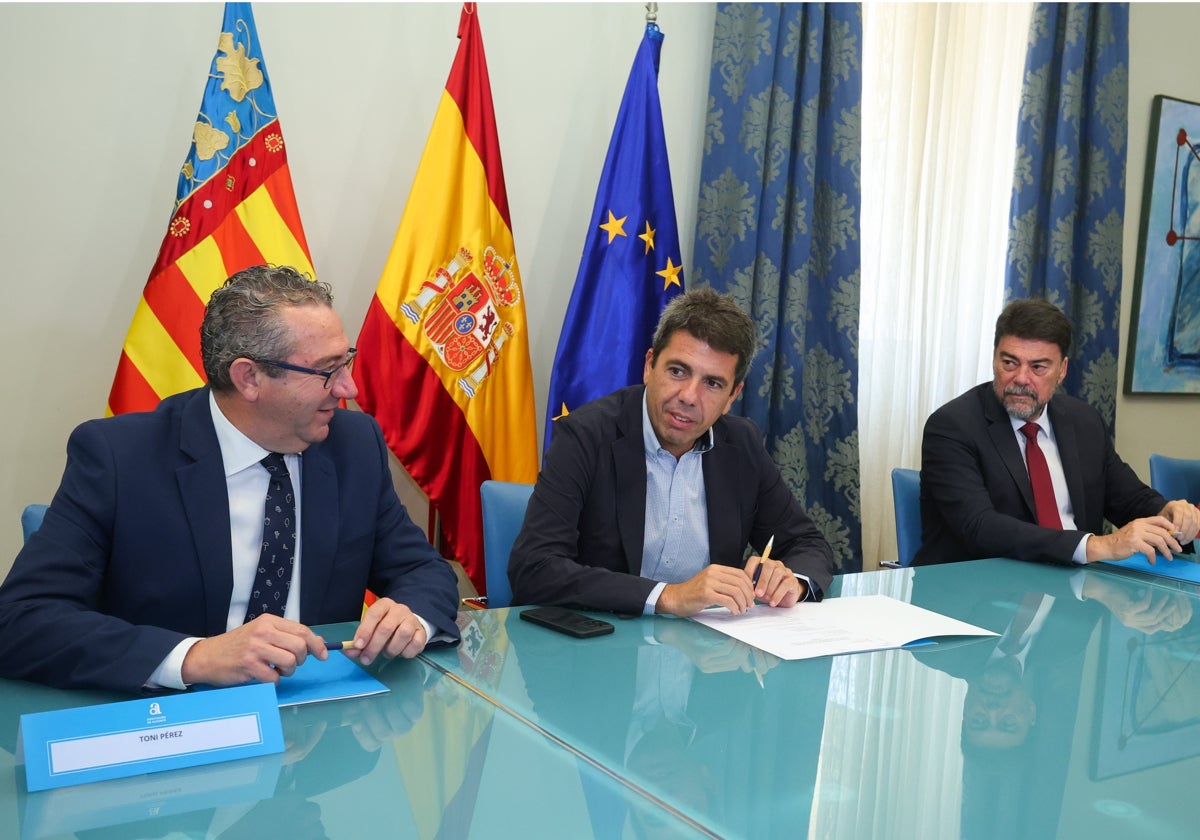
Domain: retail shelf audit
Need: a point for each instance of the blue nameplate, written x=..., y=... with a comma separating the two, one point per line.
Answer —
x=115, y=740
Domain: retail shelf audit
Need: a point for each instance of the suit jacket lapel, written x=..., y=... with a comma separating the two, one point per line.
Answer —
x=318, y=527
x=1066, y=438
x=629, y=465
x=206, y=506
x=1000, y=431
x=721, y=491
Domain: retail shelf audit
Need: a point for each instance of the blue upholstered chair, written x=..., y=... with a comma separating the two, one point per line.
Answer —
x=31, y=518
x=1175, y=478
x=503, y=512
x=906, y=497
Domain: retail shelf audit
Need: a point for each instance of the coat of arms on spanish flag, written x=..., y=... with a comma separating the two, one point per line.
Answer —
x=443, y=361
x=234, y=208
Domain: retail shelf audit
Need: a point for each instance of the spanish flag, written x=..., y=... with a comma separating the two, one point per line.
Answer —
x=234, y=208
x=443, y=357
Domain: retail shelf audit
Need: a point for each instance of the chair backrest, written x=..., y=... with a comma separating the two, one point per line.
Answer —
x=1175, y=478
x=906, y=497
x=504, y=504
x=31, y=518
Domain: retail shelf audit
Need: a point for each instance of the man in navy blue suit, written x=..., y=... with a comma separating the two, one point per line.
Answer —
x=141, y=574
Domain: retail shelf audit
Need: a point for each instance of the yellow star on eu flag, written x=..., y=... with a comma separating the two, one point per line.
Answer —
x=614, y=227
x=564, y=412
x=670, y=274
x=648, y=238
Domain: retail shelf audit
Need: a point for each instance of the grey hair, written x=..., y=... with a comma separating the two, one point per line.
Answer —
x=713, y=318
x=242, y=318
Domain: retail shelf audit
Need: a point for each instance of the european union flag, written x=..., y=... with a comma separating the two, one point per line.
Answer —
x=630, y=267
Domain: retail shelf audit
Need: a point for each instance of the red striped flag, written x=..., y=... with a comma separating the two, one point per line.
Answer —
x=443, y=357
x=234, y=208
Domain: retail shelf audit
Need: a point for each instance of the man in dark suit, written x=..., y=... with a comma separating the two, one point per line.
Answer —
x=141, y=575
x=980, y=499
x=649, y=496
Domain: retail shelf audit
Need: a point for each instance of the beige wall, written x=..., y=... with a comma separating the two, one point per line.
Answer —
x=1159, y=40
x=98, y=103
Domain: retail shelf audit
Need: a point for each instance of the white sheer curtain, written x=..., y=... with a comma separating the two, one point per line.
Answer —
x=941, y=90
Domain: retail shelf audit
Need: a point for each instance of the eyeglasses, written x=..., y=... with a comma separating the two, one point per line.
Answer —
x=327, y=375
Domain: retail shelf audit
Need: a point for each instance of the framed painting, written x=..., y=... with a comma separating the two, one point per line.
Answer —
x=1164, y=326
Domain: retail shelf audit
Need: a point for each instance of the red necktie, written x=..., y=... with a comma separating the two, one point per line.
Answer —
x=1039, y=477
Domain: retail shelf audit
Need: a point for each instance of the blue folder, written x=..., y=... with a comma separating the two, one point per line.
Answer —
x=1183, y=567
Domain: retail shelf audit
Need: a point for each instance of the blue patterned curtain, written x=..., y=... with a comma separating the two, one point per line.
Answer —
x=1068, y=207
x=777, y=228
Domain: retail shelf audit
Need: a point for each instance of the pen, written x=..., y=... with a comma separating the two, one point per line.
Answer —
x=340, y=645
x=766, y=555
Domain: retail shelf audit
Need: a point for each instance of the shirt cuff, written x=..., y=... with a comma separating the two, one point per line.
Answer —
x=431, y=633
x=652, y=599
x=812, y=592
x=1080, y=555
x=169, y=673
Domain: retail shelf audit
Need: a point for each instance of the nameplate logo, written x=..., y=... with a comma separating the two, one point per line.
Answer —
x=116, y=740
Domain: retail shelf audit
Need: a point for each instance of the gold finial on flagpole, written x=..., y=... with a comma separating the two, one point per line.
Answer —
x=651, y=13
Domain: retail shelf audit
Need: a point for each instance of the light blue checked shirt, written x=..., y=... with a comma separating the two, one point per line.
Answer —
x=676, y=537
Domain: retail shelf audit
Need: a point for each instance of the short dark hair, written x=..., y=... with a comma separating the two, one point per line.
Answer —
x=242, y=318
x=1034, y=320
x=713, y=318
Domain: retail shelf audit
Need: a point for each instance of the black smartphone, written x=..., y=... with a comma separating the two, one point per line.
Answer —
x=567, y=621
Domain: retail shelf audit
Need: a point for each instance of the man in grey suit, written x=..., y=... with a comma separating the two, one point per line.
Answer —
x=145, y=571
x=1012, y=469
x=649, y=496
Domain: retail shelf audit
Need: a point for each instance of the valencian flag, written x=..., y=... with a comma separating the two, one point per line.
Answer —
x=630, y=267
x=234, y=208
x=443, y=357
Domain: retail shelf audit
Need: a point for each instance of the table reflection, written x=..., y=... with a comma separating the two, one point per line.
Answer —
x=709, y=725
x=1024, y=689
x=327, y=747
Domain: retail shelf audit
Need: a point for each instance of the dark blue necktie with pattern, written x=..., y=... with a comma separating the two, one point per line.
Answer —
x=274, y=578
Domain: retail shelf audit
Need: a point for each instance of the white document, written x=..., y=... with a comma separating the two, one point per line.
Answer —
x=835, y=625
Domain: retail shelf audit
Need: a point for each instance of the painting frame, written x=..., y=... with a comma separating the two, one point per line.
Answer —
x=1163, y=355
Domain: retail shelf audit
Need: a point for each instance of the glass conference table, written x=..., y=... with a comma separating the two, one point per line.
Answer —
x=429, y=759
x=1081, y=720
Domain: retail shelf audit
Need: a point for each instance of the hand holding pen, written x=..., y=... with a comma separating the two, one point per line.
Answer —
x=773, y=582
